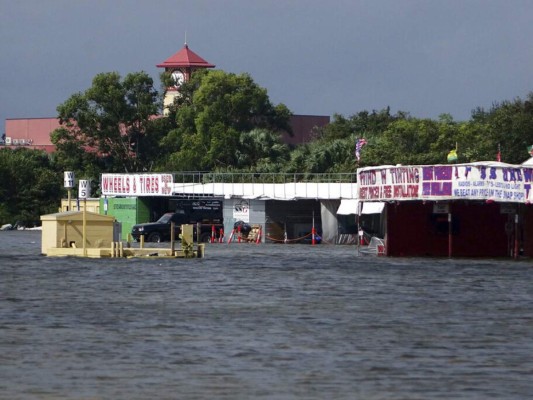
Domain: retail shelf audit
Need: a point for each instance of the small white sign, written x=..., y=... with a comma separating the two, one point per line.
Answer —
x=69, y=179
x=84, y=189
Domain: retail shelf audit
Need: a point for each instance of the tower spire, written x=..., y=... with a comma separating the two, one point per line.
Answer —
x=184, y=62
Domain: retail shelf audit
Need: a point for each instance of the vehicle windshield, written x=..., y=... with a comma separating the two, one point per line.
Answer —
x=165, y=219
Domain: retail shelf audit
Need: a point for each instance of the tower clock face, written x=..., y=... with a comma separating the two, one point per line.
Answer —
x=178, y=77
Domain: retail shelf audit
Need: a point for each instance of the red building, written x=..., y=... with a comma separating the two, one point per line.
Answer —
x=466, y=210
x=31, y=132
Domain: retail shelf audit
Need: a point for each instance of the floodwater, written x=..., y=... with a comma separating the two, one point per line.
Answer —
x=262, y=322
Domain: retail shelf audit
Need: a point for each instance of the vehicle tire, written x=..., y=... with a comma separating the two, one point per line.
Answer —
x=154, y=237
x=205, y=237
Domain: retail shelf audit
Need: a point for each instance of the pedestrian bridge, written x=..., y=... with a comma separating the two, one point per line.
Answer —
x=266, y=186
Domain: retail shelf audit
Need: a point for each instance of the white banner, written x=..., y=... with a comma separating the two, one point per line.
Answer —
x=480, y=181
x=137, y=184
x=241, y=211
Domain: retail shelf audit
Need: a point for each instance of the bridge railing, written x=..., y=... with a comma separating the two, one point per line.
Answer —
x=249, y=177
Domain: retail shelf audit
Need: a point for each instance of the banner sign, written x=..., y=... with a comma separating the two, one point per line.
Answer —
x=137, y=184
x=447, y=182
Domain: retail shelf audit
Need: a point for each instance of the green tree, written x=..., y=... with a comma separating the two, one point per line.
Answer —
x=261, y=150
x=113, y=119
x=323, y=157
x=333, y=149
x=362, y=124
x=214, y=111
x=34, y=186
x=406, y=141
x=509, y=124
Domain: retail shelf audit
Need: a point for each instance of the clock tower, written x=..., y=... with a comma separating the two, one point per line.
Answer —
x=181, y=66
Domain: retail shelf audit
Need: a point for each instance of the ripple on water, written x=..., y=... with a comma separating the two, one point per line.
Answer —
x=262, y=321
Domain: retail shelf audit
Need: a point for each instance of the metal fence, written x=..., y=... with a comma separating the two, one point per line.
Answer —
x=248, y=177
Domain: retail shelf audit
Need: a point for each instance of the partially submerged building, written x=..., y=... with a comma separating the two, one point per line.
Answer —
x=74, y=232
x=465, y=210
x=480, y=209
x=286, y=210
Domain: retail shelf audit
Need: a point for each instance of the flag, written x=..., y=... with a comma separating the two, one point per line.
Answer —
x=358, y=146
x=530, y=150
x=452, y=155
x=499, y=154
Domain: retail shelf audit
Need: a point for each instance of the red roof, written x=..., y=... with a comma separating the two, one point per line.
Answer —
x=185, y=58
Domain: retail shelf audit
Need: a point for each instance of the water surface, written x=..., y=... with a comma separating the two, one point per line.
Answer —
x=262, y=321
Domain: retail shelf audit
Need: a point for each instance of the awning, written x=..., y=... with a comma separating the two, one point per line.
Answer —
x=373, y=207
x=348, y=207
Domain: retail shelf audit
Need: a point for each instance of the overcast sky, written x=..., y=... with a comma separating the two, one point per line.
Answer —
x=317, y=57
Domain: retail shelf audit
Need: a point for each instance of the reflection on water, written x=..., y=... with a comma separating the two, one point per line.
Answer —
x=262, y=321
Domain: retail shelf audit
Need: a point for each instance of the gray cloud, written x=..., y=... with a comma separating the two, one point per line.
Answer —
x=425, y=57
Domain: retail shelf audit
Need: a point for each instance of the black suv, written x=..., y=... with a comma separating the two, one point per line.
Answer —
x=159, y=231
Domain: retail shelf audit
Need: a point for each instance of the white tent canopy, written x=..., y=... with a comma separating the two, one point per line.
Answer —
x=373, y=207
x=348, y=207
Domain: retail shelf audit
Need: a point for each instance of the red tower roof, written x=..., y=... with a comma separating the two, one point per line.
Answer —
x=185, y=58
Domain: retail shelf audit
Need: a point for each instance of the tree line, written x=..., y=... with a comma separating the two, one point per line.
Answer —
x=225, y=122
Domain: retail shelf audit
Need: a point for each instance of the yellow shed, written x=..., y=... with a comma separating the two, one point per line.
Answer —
x=64, y=230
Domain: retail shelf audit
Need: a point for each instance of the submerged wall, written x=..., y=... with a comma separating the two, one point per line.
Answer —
x=478, y=229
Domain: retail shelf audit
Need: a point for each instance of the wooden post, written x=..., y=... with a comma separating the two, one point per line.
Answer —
x=69, y=198
x=85, y=227
x=360, y=233
x=65, y=233
x=516, y=236
x=201, y=250
x=450, y=232
x=313, y=242
x=172, y=237
x=198, y=231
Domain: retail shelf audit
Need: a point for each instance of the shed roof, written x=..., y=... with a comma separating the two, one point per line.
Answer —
x=76, y=216
x=185, y=58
